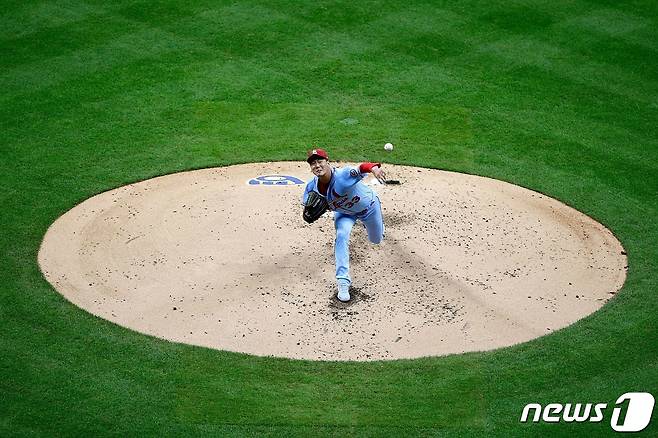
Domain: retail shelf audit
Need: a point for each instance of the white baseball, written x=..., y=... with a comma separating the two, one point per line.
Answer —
x=388, y=147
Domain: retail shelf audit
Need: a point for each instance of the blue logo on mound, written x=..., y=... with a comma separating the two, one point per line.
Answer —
x=275, y=180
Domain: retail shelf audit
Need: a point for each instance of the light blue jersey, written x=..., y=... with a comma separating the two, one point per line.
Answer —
x=345, y=194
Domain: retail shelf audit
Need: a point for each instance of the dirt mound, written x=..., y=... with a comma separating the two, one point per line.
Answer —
x=222, y=258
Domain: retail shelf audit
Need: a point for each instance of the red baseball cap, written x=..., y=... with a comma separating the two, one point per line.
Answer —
x=319, y=153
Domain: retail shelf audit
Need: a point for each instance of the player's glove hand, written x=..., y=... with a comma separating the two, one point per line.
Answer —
x=315, y=207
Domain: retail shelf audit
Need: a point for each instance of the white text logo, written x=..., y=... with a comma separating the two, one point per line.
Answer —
x=633, y=417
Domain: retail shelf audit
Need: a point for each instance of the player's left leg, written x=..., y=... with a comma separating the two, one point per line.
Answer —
x=374, y=223
x=343, y=223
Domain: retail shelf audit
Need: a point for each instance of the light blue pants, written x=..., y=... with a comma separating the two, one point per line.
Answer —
x=374, y=223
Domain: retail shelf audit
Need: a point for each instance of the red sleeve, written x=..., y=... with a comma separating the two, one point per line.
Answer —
x=367, y=167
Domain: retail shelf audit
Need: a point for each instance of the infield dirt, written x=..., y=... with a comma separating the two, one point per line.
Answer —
x=206, y=258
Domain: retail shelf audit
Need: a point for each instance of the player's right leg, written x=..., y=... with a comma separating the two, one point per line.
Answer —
x=374, y=222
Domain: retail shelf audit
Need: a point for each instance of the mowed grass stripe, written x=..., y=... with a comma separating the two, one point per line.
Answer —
x=603, y=76
x=143, y=44
x=26, y=18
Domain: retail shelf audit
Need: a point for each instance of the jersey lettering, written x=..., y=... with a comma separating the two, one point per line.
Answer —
x=352, y=202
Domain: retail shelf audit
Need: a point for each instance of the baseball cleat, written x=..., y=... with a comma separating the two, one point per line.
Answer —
x=343, y=292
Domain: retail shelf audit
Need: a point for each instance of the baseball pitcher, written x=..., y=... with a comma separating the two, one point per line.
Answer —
x=341, y=190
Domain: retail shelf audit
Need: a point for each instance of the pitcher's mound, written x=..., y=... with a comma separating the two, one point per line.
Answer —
x=222, y=258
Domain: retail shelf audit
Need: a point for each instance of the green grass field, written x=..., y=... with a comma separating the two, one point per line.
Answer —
x=557, y=96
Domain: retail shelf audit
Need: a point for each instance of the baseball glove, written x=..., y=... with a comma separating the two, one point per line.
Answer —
x=315, y=207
